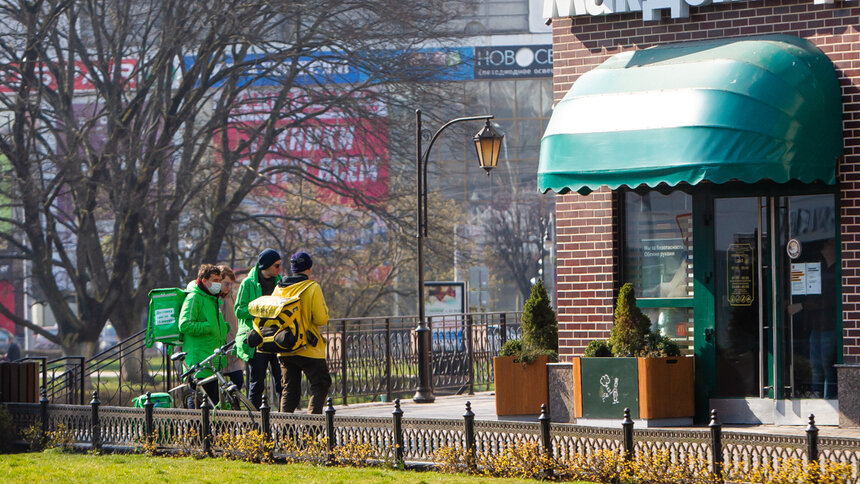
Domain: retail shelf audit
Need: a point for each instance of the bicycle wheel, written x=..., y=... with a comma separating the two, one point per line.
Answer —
x=242, y=400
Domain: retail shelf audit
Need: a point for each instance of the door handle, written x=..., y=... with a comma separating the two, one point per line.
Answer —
x=709, y=335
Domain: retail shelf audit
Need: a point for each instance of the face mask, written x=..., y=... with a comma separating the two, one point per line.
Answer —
x=214, y=288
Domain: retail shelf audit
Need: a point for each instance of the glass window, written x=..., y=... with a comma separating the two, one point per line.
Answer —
x=658, y=260
x=528, y=98
x=546, y=98
x=676, y=323
x=502, y=96
x=658, y=249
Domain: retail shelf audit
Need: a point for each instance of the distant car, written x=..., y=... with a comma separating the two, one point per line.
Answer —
x=108, y=338
x=4, y=341
x=40, y=343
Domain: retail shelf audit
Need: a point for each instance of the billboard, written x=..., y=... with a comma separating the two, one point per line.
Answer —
x=83, y=79
x=346, y=149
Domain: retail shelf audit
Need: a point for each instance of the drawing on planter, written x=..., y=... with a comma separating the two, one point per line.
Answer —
x=606, y=391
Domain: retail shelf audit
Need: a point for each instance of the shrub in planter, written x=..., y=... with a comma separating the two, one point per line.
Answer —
x=540, y=328
x=631, y=333
x=648, y=376
x=520, y=372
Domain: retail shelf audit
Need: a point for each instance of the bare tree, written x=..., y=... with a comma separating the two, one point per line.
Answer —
x=518, y=232
x=135, y=131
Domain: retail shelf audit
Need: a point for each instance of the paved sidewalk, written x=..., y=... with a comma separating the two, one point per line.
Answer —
x=484, y=408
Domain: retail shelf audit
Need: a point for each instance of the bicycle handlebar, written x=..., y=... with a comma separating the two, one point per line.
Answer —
x=218, y=352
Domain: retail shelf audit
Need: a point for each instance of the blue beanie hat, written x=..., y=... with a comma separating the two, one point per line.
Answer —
x=300, y=262
x=267, y=258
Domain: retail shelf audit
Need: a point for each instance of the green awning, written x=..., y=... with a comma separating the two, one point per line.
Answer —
x=735, y=109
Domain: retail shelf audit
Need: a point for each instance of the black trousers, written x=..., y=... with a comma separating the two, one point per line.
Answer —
x=210, y=388
x=316, y=370
x=259, y=363
x=237, y=377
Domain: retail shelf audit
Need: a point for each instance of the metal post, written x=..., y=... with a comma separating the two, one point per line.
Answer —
x=264, y=417
x=43, y=415
x=83, y=389
x=205, y=408
x=503, y=328
x=168, y=363
x=627, y=424
x=546, y=438
x=95, y=426
x=716, y=445
x=343, y=369
x=424, y=394
x=147, y=425
x=812, y=440
x=388, y=359
x=398, y=434
x=469, y=428
x=470, y=353
x=329, y=430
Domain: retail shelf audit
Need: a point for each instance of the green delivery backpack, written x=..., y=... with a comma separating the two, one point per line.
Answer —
x=164, y=308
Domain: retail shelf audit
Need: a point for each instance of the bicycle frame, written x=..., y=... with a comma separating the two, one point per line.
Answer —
x=225, y=386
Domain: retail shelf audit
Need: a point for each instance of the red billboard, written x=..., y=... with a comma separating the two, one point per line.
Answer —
x=10, y=76
x=347, y=150
x=7, y=299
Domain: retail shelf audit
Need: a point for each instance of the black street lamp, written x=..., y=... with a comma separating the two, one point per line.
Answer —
x=487, y=143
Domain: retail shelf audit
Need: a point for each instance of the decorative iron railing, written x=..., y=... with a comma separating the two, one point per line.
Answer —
x=416, y=441
x=368, y=358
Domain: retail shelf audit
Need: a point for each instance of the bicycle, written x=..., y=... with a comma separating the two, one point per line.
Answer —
x=231, y=395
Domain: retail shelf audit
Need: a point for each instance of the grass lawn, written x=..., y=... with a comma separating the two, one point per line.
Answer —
x=54, y=466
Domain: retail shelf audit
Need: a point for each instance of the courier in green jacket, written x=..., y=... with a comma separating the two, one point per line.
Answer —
x=261, y=281
x=202, y=324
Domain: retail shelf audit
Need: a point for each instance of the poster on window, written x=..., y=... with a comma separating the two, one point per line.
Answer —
x=664, y=268
x=740, y=275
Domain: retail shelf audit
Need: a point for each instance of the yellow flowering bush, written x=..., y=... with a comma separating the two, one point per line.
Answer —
x=251, y=446
x=525, y=460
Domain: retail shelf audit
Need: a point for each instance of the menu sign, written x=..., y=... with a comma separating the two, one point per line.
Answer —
x=740, y=275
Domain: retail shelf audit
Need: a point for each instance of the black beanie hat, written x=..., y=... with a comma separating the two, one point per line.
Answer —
x=267, y=258
x=300, y=262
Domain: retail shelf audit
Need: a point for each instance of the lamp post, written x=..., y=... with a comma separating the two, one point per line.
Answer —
x=487, y=144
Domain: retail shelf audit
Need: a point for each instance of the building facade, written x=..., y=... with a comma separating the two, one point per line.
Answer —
x=709, y=155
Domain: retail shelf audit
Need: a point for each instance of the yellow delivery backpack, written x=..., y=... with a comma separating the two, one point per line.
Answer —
x=280, y=322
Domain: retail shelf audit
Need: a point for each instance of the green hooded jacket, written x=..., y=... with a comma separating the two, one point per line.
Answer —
x=248, y=291
x=203, y=328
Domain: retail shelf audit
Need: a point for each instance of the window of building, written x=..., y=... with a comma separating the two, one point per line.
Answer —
x=658, y=260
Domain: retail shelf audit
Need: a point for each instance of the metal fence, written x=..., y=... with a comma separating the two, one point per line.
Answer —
x=368, y=358
x=415, y=441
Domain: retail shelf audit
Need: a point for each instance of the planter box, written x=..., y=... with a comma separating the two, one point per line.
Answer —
x=520, y=390
x=666, y=387
x=654, y=389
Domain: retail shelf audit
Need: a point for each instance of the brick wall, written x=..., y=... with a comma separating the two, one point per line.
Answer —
x=587, y=277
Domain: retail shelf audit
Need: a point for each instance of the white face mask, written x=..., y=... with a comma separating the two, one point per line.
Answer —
x=214, y=288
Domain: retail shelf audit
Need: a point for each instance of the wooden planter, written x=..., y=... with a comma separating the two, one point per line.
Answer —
x=652, y=388
x=520, y=390
x=666, y=387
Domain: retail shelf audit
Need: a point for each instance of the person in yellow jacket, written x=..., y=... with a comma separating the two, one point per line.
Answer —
x=311, y=359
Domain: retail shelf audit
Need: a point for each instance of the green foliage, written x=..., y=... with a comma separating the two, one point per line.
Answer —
x=512, y=347
x=7, y=430
x=631, y=328
x=540, y=328
x=631, y=334
x=662, y=346
x=598, y=349
x=525, y=354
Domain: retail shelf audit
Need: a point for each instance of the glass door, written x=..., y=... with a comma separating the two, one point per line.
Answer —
x=808, y=274
x=740, y=255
